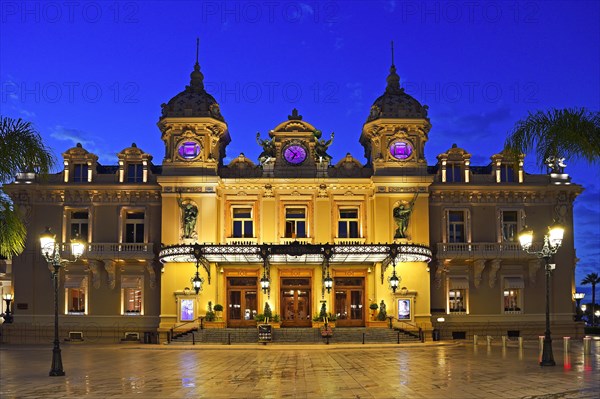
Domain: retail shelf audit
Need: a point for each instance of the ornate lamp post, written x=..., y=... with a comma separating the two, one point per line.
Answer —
x=578, y=296
x=552, y=242
x=51, y=252
x=8, y=318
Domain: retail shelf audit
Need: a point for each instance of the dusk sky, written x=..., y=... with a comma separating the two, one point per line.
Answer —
x=97, y=72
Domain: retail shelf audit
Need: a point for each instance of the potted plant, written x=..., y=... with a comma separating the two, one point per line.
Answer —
x=218, y=308
x=379, y=320
x=268, y=315
x=210, y=318
x=373, y=308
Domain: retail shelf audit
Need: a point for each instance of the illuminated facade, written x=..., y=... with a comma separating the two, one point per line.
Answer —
x=294, y=219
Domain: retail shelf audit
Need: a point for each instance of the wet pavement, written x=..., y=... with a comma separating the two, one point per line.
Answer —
x=435, y=370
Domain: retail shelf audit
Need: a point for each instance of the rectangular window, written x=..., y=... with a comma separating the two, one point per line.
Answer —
x=513, y=294
x=133, y=300
x=243, y=225
x=509, y=226
x=348, y=223
x=512, y=300
x=295, y=222
x=134, y=227
x=135, y=173
x=80, y=173
x=79, y=221
x=457, y=300
x=453, y=173
x=456, y=226
x=507, y=173
x=76, y=294
x=132, y=295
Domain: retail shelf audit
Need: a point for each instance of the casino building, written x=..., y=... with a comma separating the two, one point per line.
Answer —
x=292, y=229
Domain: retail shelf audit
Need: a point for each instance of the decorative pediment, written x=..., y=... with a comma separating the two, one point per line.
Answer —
x=348, y=162
x=241, y=162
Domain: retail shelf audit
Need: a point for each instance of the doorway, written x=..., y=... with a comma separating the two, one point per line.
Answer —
x=242, y=301
x=349, y=301
x=295, y=302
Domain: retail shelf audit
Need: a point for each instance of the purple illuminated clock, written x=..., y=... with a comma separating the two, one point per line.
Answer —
x=401, y=150
x=189, y=150
x=294, y=154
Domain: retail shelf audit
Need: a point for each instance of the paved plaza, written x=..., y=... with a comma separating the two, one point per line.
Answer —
x=444, y=370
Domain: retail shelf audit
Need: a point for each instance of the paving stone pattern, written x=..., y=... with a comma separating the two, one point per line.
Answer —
x=433, y=370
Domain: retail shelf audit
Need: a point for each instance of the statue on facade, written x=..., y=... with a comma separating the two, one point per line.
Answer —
x=401, y=215
x=189, y=214
x=268, y=147
x=321, y=146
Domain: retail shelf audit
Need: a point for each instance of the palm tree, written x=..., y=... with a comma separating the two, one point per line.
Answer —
x=21, y=149
x=571, y=133
x=592, y=279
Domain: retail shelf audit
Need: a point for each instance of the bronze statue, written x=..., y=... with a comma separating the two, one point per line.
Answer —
x=321, y=146
x=189, y=214
x=268, y=147
x=401, y=215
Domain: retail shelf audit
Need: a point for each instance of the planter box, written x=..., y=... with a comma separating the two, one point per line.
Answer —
x=320, y=324
x=378, y=324
x=214, y=324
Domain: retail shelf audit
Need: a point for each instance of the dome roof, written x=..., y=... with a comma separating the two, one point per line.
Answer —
x=194, y=101
x=395, y=103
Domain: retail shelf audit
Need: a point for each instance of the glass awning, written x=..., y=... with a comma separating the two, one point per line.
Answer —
x=295, y=253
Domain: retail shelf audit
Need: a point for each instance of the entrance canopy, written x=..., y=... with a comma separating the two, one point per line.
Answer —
x=296, y=253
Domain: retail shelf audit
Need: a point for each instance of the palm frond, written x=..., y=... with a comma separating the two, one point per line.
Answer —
x=572, y=133
x=22, y=149
x=12, y=230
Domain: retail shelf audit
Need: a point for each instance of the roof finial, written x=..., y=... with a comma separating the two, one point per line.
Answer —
x=393, y=80
x=198, y=47
x=196, y=76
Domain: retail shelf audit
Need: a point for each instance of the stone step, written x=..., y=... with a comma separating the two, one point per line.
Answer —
x=297, y=335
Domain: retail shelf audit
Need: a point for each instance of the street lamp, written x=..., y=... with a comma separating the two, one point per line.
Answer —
x=265, y=283
x=197, y=281
x=328, y=282
x=8, y=318
x=578, y=296
x=552, y=242
x=51, y=252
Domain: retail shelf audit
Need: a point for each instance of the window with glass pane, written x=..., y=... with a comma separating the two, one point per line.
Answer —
x=456, y=300
x=453, y=173
x=243, y=225
x=348, y=223
x=133, y=300
x=295, y=222
x=507, y=173
x=456, y=226
x=80, y=173
x=76, y=300
x=135, y=173
x=512, y=300
x=509, y=226
x=79, y=225
x=134, y=227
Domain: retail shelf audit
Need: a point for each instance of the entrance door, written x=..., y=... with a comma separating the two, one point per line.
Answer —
x=295, y=302
x=242, y=301
x=349, y=300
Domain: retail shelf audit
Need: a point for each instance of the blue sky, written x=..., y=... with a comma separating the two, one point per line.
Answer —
x=96, y=72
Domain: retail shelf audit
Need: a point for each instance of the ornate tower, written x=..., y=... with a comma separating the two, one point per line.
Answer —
x=396, y=130
x=193, y=129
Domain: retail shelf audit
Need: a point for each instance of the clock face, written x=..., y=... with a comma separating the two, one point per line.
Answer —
x=294, y=154
x=401, y=150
